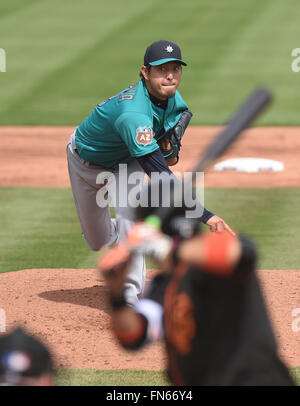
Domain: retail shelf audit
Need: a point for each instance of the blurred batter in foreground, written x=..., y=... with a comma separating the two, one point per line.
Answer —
x=205, y=303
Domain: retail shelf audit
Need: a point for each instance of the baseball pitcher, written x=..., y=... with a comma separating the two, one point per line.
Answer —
x=134, y=132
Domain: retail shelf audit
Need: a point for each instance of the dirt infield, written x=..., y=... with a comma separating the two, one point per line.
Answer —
x=67, y=308
x=35, y=156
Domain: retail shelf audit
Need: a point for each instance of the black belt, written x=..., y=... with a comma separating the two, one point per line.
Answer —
x=92, y=164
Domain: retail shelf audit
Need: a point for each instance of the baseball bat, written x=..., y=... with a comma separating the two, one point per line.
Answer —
x=243, y=117
x=247, y=113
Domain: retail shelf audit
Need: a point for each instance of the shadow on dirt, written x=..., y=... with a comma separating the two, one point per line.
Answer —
x=94, y=297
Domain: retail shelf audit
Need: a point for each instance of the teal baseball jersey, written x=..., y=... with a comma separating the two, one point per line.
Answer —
x=125, y=126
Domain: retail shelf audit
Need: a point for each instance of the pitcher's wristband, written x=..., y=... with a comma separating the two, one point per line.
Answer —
x=206, y=215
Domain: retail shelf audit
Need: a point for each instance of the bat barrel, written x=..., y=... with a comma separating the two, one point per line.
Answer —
x=249, y=111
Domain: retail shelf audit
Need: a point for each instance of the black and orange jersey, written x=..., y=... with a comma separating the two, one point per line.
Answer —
x=217, y=330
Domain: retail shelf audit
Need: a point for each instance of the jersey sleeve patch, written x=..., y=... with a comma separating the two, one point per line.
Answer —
x=144, y=135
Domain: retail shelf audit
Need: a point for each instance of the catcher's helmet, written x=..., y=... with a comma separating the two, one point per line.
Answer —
x=23, y=356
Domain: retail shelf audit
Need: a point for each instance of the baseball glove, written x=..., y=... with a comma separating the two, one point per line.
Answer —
x=173, y=137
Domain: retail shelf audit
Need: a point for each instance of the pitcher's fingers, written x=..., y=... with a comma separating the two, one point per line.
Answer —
x=220, y=226
x=213, y=227
x=230, y=231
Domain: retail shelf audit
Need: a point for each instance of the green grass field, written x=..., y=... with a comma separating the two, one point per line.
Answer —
x=63, y=57
x=95, y=377
x=34, y=233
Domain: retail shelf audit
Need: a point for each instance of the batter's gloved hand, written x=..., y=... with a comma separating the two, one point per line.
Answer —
x=143, y=239
x=148, y=240
x=174, y=136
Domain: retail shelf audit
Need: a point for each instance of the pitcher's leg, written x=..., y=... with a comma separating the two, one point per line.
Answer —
x=135, y=283
x=95, y=221
x=97, y=226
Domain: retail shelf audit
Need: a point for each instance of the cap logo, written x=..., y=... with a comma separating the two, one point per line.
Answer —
x=17, y=361
x=169, y=49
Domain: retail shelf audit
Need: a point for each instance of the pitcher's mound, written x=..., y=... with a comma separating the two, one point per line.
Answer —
x=67, y=309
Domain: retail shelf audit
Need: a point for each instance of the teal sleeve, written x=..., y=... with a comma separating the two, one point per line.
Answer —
x=137, y=133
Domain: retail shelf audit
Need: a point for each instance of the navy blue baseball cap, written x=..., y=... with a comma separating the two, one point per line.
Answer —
x=23, y=355
x=162, y=51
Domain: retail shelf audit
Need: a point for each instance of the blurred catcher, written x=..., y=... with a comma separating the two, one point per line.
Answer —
x=24, y=360
x=205, y=303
